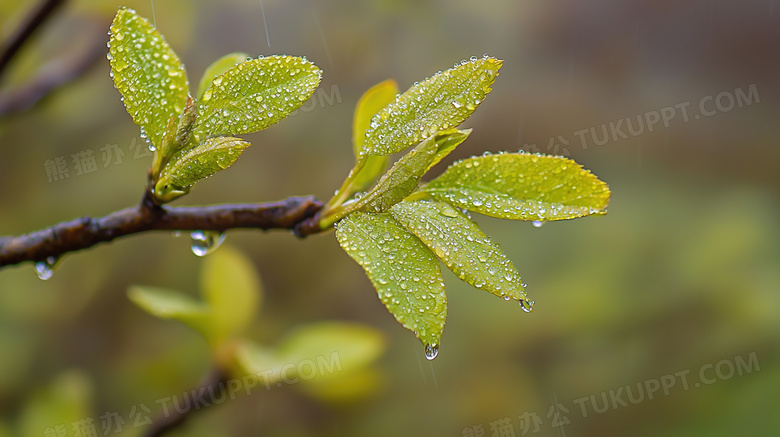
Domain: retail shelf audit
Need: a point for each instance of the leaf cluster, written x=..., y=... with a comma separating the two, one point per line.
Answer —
x=230, y=299
x=394, y=226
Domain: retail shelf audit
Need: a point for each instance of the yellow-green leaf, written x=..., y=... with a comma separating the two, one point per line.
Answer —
x=372, y=101
x=440, y=102
x=259, y=360
x=169, y=304
x=255, y=94
x=333, y=346
x=347, y=388
x=402, y=179
x=66, y=400
x=218, y=68
x=147, y=72
x=404, y=272
x=187, y=167
x=457, y=241
x=231, y=288
x=522, y=186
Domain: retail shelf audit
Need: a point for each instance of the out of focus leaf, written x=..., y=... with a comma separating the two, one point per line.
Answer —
x=231, y=288
x=404, y=272
x=66, y=400
x=373, y=100
x=457, y=241
x=147, y=72
x=5, y=431
x=440, y=102
x=522, y=186
x=218, y=68
x=255, y=94
x=189, y=166
x=333, y=346
x=344, y=388
x=169, y=304
x=254, y=359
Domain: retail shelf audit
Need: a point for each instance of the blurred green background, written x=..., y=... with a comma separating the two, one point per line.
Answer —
x=682, y=275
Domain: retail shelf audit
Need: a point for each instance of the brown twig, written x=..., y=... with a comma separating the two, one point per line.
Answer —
x=85, y=232
x=36, y=19
x=214, y=384
x=51, y=77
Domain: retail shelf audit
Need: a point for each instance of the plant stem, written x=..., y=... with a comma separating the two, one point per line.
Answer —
x=85, y=232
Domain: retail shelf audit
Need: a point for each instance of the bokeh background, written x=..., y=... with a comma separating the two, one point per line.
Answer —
x=683, y=274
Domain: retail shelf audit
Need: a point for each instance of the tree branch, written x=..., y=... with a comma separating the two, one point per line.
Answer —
x=50, y=77
x=85, y=232
x=36, y=19
x=214, y=384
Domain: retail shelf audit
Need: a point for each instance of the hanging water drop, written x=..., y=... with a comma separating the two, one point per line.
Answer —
x=527, y=305
x=431, y=351
x=205, y=242
x=45, y=269
x=537, y=223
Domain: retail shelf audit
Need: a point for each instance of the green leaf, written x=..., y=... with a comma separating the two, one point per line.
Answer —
x=231, y=288
x=447, y=143
x=522, y=186
x=319, y=351
x=256, y=359
x=403, y=178
x=255, y=94
x=147, y=72
x=187, y=167
x=169, y=304
x=345, y=389
x=440, y=102
x=218, y=68
x=404, y=272
x=337, y=346
x=457, y=241
x=372, y=101
x=65, y=400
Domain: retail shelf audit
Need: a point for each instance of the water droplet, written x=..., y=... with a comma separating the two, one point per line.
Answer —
x=537, y=223
x=431, y=351
x=527, y=305
x=205, y=242
x=45, y=269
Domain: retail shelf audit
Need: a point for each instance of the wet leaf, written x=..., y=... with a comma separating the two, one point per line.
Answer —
x=404, y=272
x=169, y=304
x=440, y=102
x=457, y=241
x=522, y=186
x=372, y=101
x=255, y=94
x=218, y=68
x=232, y=290
x=177, y=136
x=147, y=72
x=402, y=179
x=187, y=167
